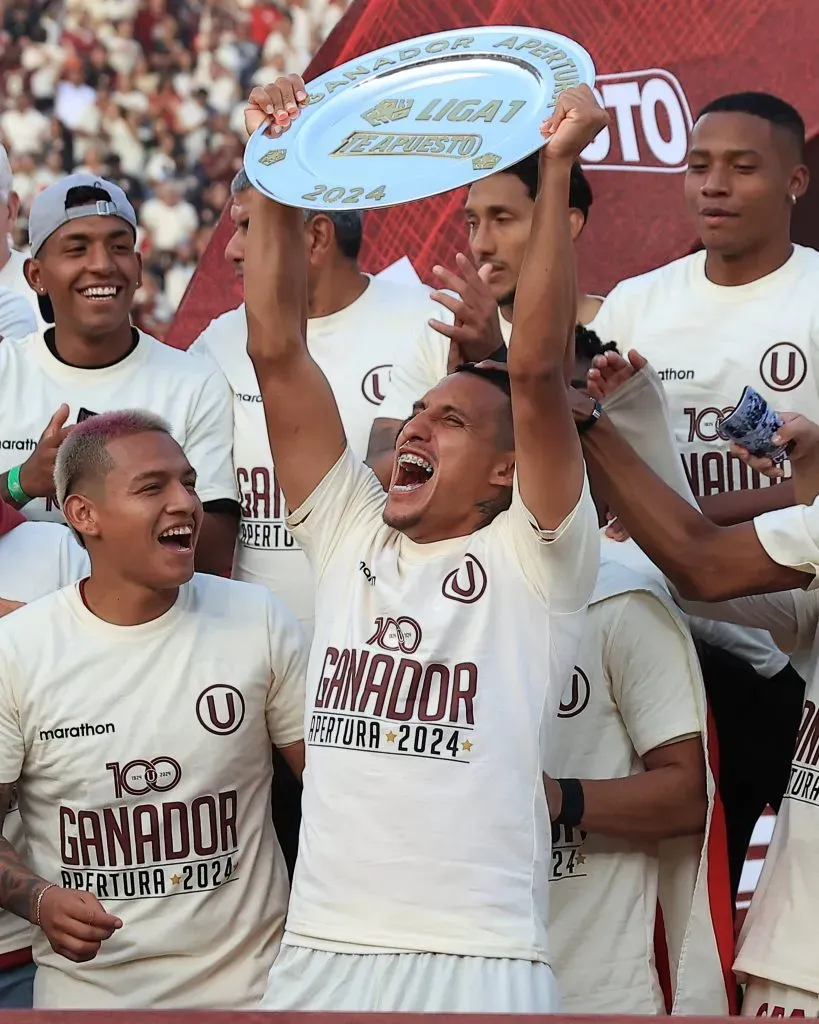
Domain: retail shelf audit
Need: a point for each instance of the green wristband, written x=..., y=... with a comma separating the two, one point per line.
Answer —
x=16, y=492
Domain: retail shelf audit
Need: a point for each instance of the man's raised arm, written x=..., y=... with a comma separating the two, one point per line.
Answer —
x=303, y=424
x=548, y=456
x=704, y=561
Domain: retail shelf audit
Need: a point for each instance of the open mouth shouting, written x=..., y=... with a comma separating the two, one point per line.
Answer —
x=412, y=472
x=178, y=539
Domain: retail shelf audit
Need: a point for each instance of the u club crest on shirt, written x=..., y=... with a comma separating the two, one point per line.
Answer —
x=220, y=709
x=783, y=366
x=375, y=382
x=466, y=584
x=576, y=696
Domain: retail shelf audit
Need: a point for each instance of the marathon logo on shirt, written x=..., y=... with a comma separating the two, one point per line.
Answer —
x=673, y=374
x=150, y=848
x=389, y=702
x=74, y=732
x=568, y=859
x=262, y=526
x=803, y=784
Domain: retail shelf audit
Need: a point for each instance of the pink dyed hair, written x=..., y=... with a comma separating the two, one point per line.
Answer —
x=85, y=450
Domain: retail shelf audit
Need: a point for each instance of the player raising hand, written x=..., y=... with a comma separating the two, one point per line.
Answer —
x=448, y=614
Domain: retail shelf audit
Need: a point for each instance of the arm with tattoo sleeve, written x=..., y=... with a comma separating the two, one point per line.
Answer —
x=75, y=923
x=19, y=885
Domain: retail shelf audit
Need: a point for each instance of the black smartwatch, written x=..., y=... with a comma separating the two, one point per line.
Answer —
x=574, y=804
x=594, y=416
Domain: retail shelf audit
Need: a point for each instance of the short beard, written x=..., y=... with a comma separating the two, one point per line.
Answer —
x=401, y=523
x=507, y=300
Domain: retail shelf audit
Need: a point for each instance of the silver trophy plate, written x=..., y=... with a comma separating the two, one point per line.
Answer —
x=418, y=118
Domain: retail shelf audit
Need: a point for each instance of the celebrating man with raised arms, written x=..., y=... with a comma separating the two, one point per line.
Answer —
x=448, y=614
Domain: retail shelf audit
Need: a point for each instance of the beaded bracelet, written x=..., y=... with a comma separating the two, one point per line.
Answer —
x=40, y=894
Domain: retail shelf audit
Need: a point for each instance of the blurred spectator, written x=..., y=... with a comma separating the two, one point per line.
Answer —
x=178, y=277
x=24, y=179
x=11, y=262
x=151, y=312
x=25, y=130
x=74, y=95
x=123, y=50
x=149, y=93
x=171, y=220
x=163, y=163
x=93, y=163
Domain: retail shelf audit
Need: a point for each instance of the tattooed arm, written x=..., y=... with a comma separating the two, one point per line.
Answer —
x=75, y=923
x=19, y=886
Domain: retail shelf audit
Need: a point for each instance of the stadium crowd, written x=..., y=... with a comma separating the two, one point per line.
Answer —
x=460, y=575
x=150, y=94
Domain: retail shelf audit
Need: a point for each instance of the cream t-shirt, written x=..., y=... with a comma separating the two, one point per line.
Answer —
x=707, y=342
x=193, y=398
x=778, y=938
x=631, y=692
x=143, y=755
x=434, y=675
x=35, y=559
x=13, y=277
x=355, y=349
x=16, y=318
x=754, y=646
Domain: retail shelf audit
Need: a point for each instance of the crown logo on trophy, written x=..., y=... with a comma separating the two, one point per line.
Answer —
x=387, y=111
x=272, y=156
x=485, y=162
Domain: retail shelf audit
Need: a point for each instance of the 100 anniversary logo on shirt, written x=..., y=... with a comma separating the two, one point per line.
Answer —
x=386, y=700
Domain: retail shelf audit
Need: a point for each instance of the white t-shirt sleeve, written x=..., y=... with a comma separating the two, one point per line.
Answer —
x=74, y=563
x=791, y=537
x=209, y=441
x=288, y=662
x=791, y=617
x=348, y=498
x=649, y=666
x=561, y=565
x=39, y=558
x=223, y=342
x=202, y=346
x=614, y=321
x=17, y=319
x=12, y=743
x=420, y=369
x=639, y=411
